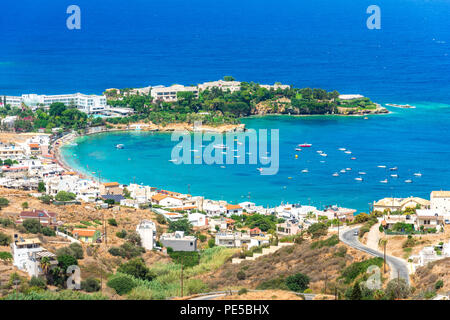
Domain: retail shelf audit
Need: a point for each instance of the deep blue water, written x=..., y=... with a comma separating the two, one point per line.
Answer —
x=321, y=43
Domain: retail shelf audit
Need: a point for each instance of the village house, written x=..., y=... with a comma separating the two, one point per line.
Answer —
x=400, y=204
x=10, y=151
x=178, y=241
x=198, y=219
x=142, y=194
x=429, y=219
x=166, y=200
x=288, y=228
x=111, y=188
x=255, y=232
x=391, y=220
x=87, y=235
x=232, y=239
x=259, y=241
x=45, y=217
x=234, y=209
x=27, y=255
x=440, y=200
x=214, y=209
x=147, y=231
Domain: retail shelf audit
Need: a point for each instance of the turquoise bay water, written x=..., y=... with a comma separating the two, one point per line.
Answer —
x=414, y=140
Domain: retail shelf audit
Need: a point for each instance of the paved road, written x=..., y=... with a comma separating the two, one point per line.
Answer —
x=398, y=267
x=308, y=296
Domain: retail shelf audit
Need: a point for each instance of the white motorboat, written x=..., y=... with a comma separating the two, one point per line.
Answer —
x=384, y=181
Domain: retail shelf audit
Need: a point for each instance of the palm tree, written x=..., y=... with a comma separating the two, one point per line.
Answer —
x=45, y=264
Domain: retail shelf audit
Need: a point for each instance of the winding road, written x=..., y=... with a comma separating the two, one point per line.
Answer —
x=398, y=267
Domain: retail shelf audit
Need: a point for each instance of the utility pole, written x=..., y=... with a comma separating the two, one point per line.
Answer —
x=182, y=277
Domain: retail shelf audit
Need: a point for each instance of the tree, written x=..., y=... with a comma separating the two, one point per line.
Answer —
x=228, y=78
x=356, y=293
x=3, y=203
x=25, y=205
x=317, y=230
x=46, y=199
x=298, y=282
x=397, y=289
x=45, y=264
x=5, y=256
x=41, y=187
x=180, y=225
x=134, y=238
x=112, y=222
x=136, y=268
x=77, y=250
x=211, y=243
x=66, y=261
x=65, y=196
x=56, y=109
x=32, y=225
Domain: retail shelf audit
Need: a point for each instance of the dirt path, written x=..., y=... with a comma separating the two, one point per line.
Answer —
x=373, y=237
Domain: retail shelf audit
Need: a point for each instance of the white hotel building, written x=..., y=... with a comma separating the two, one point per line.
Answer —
x=89, y=104
x=169, y=94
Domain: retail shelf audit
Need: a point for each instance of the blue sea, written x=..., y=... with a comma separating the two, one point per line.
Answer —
x=321, y=43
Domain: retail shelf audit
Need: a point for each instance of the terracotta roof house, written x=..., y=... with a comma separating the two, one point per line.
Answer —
x=45, y=218
x=87, y=235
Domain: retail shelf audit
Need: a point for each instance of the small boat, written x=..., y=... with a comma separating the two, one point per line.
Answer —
x=120, y=146
x=394, y=175
x=348, y=169
x=418, y=174
x=223, y=152
x=408, y=181
x=260, y=169
x=240, y=143
x=305, y=145
x=223, y=167
x=335, y=174
x=359, y=179
x=365, y=118
x=342, y=149
x=298, y=149
x=348, y=152
x=343, y=171
x=220, y=146
x=289, y=177
x=361, y=173
x=193, y=150
x=384, y=181
x=305, y=171
x=322, y=161
x=319, y=151
x=353, y=158
x=382, y=167
x=296, y=156
x=237, y=156
x=393, y=169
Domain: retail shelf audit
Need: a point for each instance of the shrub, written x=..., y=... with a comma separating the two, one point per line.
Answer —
x=46, y=199
x=397, y=289
x=77, y=250
x=90, y=285
x=112, y=222
x=355, y=269
x=241, y=275
x=5, y=256
x=38, y=282
x=134, y=238
x=242, y=291
x=317, y=230
x=25, y=205
x=121, y=234
x=122, y=284
x=6, y=222
x=202, y=238
x=298, y=282
x=5, y=240
x=127, y=250
x=136, y=268
x=187, y=258
x=180, y=225
x=3, y=203
x=41, y=187
x=276, y=283
x=211, y=243
x=46, y=231
x=160, y=219
x=330, y=242
x=439, y=284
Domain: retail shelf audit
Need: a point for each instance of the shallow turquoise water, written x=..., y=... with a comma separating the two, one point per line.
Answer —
x=414, y=140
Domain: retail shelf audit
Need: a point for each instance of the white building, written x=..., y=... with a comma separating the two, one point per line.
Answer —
x=169, y=94
x=9, y=121
x=350, y=96
x=198, y=219
x=276, y=86
x=12, y=152
x=222, y=85
x=232, y=240
x=440, y=200
x=147, y=231
x=27, y=255
x=89, y=104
